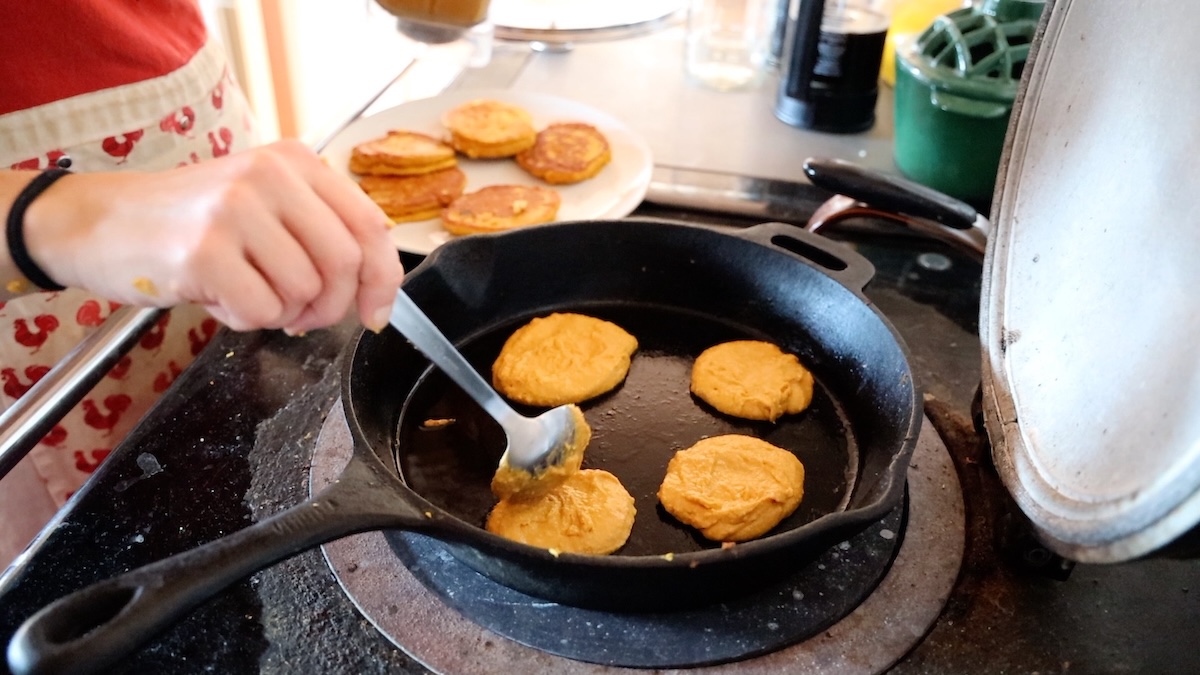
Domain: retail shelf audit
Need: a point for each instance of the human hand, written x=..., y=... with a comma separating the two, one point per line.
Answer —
x=266, y=238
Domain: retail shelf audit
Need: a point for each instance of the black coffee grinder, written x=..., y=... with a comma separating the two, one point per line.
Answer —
x=832, y=56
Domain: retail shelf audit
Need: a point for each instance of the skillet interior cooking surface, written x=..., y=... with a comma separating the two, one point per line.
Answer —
x=636, y=429
x=670, y=284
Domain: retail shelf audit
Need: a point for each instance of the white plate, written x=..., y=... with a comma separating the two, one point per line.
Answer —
x=613, y=193
x=572, y=18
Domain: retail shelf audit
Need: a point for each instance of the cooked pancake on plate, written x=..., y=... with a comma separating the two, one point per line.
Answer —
x=562, y=358
x=567, y=152
x=590, y=512
x=401, y=153
x=752, y=379
x=486, y=128
x=509, y=483
x=732, y=487
x=501, y=207
x=419, y=197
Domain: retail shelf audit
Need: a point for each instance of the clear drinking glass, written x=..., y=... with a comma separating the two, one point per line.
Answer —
x=728, y=44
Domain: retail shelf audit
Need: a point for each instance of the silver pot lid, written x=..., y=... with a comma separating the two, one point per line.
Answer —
x=1090, y=316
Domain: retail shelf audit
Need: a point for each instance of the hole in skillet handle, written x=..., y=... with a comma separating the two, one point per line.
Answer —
x=49, y=646
x=838, y=260
x=806, y=250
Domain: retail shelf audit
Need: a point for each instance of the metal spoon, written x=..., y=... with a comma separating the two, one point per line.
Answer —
x=534, y=443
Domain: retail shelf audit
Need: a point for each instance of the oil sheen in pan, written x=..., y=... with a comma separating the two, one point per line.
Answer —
x=636, y=429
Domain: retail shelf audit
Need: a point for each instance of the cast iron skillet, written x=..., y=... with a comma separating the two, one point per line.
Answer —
x=678, y=288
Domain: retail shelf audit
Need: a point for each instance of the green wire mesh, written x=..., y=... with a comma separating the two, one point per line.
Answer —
x=973, y=44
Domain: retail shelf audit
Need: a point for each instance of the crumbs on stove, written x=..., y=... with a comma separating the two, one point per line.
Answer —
x=438, y=423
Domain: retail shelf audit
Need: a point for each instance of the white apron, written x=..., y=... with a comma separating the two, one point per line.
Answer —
x=189, y=115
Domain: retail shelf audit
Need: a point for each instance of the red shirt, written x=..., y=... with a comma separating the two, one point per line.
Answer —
x=55, y=49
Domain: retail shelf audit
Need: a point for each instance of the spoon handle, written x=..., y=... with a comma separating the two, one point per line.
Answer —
x=414, y=325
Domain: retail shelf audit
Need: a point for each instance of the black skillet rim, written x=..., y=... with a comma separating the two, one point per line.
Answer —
x=818, y=529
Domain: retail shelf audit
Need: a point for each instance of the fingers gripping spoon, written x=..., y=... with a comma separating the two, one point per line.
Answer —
x=536, y=445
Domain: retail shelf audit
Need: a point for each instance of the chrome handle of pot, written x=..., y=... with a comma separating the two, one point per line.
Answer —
x=863, y=192
x=35, y=413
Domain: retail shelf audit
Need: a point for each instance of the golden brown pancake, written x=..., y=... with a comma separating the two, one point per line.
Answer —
x=419, y=197
x=590, y=512
x=751, y=379
x=486, y=128
x=501, y=207
x=401, y=153
x=509, y=483
x=562, y=358
x=732, y=488
x=568, y=152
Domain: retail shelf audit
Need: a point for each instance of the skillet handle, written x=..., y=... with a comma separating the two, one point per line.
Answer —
x=890, y=193
x=862, y=192
x=839, y=261
x=93, y=628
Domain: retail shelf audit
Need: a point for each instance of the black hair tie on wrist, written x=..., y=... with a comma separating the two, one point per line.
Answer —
x=16, y=230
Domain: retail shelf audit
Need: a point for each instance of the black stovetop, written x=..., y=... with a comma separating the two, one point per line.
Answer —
x=230, y=444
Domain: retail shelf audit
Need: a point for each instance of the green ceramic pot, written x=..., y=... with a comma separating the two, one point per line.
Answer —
x=955, y=86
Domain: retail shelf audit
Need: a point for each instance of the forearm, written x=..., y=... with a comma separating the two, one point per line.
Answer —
x=268, y=238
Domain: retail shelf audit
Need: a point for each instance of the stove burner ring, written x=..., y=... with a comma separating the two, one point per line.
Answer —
x=781, y=613
x=871, y=638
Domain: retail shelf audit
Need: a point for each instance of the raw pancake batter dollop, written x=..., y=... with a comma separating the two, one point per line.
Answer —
x=591, y=513
x=752, y=379
x=732, y=487
x=509, y=482
x=563, y=358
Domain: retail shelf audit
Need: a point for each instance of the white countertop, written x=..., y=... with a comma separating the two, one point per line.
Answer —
x=641, y=82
